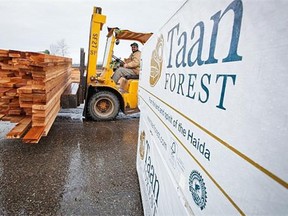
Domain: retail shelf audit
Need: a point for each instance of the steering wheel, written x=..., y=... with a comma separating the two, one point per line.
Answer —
x=118, y=60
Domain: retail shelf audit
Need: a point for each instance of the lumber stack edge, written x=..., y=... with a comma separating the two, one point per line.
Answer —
x=31, y=85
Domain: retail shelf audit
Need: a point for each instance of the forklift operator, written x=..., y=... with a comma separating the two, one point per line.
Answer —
x=131, y=66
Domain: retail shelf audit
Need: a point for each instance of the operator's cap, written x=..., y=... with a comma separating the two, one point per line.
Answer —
x=134, y=44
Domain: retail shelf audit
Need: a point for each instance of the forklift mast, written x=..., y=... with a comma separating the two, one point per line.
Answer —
x=72, y=96
x=97, y=22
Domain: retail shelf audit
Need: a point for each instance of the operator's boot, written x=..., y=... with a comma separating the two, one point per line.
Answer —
x=123, y=85
x=122, y=91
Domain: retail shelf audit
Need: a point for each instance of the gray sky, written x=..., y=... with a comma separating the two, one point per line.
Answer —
x=33, y=25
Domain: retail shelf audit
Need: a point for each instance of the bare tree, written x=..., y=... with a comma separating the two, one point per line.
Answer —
x=53, y=49
x=60, y=48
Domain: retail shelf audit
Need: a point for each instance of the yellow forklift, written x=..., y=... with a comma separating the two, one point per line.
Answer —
x=99, y=93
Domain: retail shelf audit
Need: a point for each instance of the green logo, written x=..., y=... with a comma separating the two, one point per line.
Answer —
x=198, y=189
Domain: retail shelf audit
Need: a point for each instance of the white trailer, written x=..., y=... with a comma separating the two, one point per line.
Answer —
x=214, y=111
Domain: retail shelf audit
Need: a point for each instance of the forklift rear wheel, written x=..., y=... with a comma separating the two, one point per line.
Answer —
x=103, y=106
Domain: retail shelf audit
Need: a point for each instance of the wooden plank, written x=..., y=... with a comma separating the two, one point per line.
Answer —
x=4, y=110
x=50, y=75
x=15, y=111
x=49, y=124
x=34, y=135
x=14, y=103
x=26, y=104
x=11, y=92
x=28, y=111
x=9, y=84
x=4, y=53
x=15, y=53
x=20, y=84
x=16, y=119
x=25, y=90
x=9, y=68
x=42, y=121
x=6, y=118
x=5, y=80
x=20, y=128
x=3, y=91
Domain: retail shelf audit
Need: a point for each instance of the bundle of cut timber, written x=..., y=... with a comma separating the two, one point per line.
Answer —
x=31, y=85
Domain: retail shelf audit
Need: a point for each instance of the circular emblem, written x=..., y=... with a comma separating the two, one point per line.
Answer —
x=142, y=147
x=198, y=189
x=156, y=62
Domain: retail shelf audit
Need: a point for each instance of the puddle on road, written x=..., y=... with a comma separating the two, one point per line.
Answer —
x=5, y=127
x=77, y=182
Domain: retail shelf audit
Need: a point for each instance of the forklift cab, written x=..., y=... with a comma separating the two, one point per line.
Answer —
x=99, y=93
x=103, y=99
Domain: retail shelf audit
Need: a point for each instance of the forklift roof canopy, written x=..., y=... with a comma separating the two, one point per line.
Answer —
x=129, y=35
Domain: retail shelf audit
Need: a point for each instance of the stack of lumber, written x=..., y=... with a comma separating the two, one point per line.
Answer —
x=31, y=85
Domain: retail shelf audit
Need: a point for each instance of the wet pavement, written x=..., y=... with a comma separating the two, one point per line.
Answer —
x=80, y=168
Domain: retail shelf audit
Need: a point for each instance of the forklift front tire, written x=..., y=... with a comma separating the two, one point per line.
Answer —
x=103, y=106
